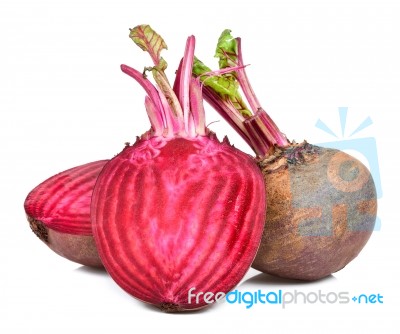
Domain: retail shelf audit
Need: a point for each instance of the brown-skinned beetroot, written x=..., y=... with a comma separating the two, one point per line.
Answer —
x=321, y=203
x=58, y=211
x=321, y=212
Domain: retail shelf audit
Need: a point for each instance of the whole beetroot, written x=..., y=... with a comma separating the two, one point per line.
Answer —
x=321, y=203
x=321, y=211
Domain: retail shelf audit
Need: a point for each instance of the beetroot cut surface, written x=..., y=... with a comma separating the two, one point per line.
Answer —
x=178, y=209
x=58, y=211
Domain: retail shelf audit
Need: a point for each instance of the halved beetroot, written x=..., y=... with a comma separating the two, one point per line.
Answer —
x=58, y=211
x=178, y=210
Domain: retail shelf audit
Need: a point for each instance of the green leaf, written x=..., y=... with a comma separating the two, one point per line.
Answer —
x=219, y=84
x=225, y=85
x=226, y=50
x=240, y=105
x=162, y=66
x=148, y=40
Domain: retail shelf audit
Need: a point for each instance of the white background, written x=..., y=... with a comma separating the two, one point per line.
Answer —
x=64, y=102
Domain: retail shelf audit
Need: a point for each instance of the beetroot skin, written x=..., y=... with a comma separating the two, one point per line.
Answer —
x=58, y=211
x=320, y=216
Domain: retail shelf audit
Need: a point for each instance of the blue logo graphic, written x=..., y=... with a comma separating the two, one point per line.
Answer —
x=365, y=146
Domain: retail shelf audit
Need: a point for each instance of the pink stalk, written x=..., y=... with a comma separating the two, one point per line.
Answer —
x=185, y=78
x=227, y=111
x=149, y=88
x=272, y=132
x=244, y=81
x=196, y=105
x=155, y=117
x=253, y=124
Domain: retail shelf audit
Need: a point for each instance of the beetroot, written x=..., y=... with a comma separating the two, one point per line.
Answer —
x=58, y=211
x=314, y=225
x=321, y=203
x=178, y=209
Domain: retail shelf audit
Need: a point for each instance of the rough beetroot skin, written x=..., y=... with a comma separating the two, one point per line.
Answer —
x=58, y=211
x=321, y=212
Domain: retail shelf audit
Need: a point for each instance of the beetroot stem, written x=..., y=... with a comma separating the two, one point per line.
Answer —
x=197, y=108
x=244, y=81
x=261, y=139
x=152, y=95
x=254, y=125
x=227, y=111
x=272, y=133
x=154, y=116
x=173, y=111
x=185, y=78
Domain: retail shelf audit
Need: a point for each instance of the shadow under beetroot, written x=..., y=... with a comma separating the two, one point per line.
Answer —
x=269, y=280
x=185, y=312
x=98, y=271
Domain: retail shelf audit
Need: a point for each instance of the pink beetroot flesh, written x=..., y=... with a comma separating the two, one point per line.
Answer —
x=169, y=215
x=62, y=202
